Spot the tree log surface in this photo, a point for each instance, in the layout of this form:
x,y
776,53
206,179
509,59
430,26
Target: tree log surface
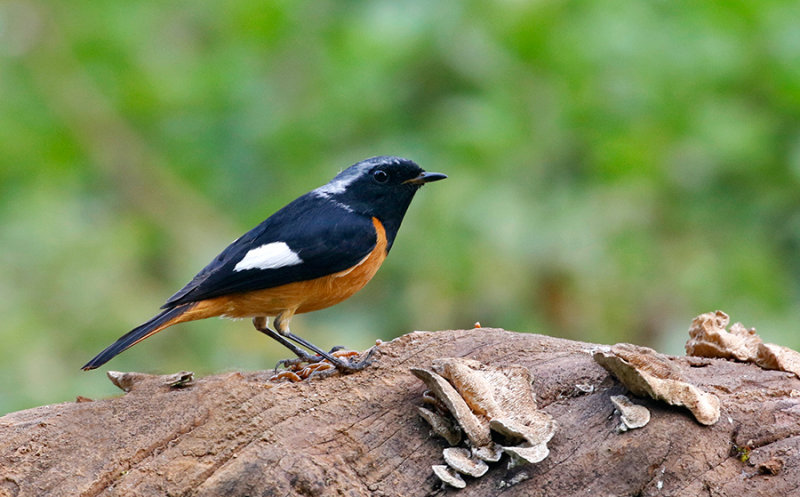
x,y
237,434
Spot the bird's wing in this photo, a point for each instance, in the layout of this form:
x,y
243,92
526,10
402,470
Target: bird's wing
x,y
309,238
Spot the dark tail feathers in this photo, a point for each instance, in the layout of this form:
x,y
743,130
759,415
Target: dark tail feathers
x,y
136,335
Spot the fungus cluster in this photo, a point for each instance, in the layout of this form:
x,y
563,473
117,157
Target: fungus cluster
x,y
493,408
709,338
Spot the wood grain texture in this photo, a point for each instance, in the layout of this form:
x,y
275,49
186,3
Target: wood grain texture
x,y
359,435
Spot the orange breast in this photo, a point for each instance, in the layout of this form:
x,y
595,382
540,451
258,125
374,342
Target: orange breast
x,y
300,296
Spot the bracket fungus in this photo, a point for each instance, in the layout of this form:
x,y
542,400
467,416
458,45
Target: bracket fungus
x,y
632,415
442,426
523,455
488,453
645,372
709,338
448,475
476,430
461,460
771,356
483,399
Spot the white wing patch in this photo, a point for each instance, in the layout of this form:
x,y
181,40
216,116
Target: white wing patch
x,y
270,256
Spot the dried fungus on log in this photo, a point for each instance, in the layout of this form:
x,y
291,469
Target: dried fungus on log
x,y
645,372
709,338
632,415
501,397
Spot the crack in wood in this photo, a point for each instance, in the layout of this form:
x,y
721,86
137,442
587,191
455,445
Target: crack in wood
x,y
112,478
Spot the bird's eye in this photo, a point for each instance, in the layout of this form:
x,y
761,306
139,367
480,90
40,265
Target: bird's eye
x,y
381,176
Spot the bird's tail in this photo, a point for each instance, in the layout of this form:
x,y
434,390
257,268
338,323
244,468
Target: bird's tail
x,y
166,318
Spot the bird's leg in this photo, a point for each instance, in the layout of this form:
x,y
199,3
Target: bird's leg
x,y
281,324
260,324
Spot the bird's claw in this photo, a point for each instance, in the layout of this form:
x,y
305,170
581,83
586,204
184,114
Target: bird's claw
x,y
307,366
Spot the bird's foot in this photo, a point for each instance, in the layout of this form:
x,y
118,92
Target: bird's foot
x,y
319,369
296,362
317,366
350,356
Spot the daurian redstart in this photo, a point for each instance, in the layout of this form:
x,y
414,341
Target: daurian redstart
x,y
313,253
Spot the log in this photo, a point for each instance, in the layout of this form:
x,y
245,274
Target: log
x,y
238,434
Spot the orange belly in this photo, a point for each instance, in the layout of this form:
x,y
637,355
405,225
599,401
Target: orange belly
x,y
297,297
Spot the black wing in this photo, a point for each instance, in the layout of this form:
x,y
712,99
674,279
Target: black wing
x,y
326,236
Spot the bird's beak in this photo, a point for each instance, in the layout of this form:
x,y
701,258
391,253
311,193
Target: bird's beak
x,y
425,177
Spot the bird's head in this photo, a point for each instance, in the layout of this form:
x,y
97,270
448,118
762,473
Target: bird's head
x,y
381,187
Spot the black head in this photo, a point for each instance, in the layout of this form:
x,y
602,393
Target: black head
x,y
381,187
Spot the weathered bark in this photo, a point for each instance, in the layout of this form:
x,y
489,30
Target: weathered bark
x,y
237,434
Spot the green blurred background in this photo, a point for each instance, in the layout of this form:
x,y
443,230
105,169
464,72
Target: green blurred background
x,y
615,169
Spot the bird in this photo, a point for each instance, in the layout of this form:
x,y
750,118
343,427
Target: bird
x,y
313,253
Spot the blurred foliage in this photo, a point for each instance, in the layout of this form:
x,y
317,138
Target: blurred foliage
x,y
615,168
